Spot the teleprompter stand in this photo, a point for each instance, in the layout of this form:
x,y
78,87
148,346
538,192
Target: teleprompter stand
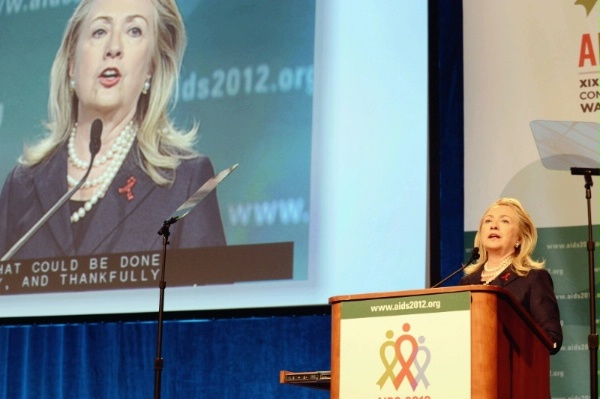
x,y
573,145
164,231
587,173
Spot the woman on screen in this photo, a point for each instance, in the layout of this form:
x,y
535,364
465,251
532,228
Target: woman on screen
x,y
506,239
118,62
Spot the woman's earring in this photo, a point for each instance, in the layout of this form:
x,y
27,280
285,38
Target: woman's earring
x,y
146,87
517,245
72,86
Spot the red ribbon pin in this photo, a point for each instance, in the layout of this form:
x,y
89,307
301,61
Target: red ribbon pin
x,y
126,189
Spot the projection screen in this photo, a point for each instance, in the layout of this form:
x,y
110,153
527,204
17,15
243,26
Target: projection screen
x,y
323,107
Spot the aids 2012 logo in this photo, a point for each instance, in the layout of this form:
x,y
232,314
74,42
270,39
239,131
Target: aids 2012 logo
x,y
404,359
588,4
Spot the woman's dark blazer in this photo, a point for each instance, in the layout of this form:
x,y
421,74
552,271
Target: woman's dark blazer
x,y
535,292
117,224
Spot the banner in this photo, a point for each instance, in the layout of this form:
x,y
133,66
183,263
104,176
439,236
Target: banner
x,y
531,113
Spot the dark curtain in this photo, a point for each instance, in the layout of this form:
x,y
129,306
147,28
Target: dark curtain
x,y
226,358
446,140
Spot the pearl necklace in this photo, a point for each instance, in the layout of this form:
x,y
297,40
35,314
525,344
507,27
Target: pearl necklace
x,y
110,154
114,159
488,275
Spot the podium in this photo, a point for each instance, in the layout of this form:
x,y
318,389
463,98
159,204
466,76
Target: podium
x,y
459,342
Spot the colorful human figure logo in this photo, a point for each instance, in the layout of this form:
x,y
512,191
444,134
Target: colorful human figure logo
x,y
410,354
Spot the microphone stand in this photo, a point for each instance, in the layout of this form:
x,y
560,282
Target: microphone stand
x,y
593,337
94,149
473,258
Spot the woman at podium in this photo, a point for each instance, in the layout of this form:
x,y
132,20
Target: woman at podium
x,y
506,239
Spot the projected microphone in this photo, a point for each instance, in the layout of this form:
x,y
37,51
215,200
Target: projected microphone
x,y
95,143
473,258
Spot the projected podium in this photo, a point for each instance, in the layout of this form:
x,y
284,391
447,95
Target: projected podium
x,y
459,342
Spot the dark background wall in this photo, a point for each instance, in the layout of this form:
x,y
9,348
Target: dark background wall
x,y
446,124
236,353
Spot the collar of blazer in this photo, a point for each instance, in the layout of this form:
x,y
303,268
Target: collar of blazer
x,y
50,183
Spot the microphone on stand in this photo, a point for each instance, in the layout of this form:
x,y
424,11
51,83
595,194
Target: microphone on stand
x,y
473,258
95,143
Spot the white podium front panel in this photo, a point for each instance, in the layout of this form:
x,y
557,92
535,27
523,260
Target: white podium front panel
x,y
406,348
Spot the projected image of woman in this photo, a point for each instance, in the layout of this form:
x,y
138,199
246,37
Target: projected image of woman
x,y
118,62
506,239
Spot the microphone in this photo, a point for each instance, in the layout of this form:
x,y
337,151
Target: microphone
x,y
95,143
473,258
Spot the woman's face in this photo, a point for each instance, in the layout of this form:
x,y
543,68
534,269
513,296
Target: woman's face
x,y
499,231
113,56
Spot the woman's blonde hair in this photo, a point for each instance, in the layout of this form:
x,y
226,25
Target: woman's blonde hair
x,y
522,261
161,146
